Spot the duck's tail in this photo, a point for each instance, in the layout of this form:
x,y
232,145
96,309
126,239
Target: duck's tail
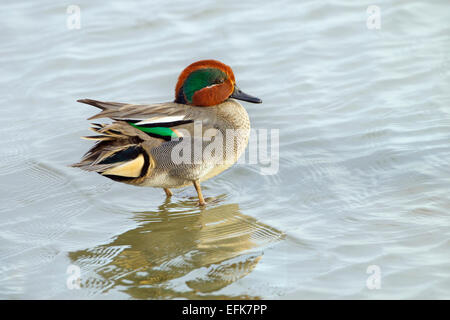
x,y
117,154
108,108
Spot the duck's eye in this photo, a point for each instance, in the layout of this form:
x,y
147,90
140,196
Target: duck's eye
x,y
219,81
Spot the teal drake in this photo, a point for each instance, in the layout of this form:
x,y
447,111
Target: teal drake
x,y
157,145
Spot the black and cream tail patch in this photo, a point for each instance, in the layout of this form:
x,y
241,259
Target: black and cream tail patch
x,y
127,164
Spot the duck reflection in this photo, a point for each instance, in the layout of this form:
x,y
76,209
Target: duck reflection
x,y
178,251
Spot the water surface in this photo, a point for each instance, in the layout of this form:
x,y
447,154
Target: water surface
x,y
364,122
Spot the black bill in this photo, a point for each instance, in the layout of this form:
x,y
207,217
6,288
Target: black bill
x,y
238,94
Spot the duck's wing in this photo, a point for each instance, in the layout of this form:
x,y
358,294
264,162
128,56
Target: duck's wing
x,y
160,120
123,150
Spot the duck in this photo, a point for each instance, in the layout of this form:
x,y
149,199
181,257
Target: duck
x,y
189,140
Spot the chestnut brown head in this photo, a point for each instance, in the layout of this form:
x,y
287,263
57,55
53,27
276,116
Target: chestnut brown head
x,y
208,83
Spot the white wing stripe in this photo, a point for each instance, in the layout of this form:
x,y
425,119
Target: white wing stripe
x,y
160,120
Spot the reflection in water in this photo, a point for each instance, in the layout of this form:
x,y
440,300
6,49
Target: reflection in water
x,y
179,251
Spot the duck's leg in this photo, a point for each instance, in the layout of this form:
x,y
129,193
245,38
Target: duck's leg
x,y
199,192
168,192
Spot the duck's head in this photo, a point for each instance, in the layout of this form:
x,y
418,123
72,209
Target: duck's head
x,y
207,83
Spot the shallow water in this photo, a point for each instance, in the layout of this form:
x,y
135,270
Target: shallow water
x,y
364,122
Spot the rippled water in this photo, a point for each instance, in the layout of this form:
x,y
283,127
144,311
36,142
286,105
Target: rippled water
x,y
363,178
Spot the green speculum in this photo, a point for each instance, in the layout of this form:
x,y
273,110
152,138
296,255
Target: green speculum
x,y
200,79
159,131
